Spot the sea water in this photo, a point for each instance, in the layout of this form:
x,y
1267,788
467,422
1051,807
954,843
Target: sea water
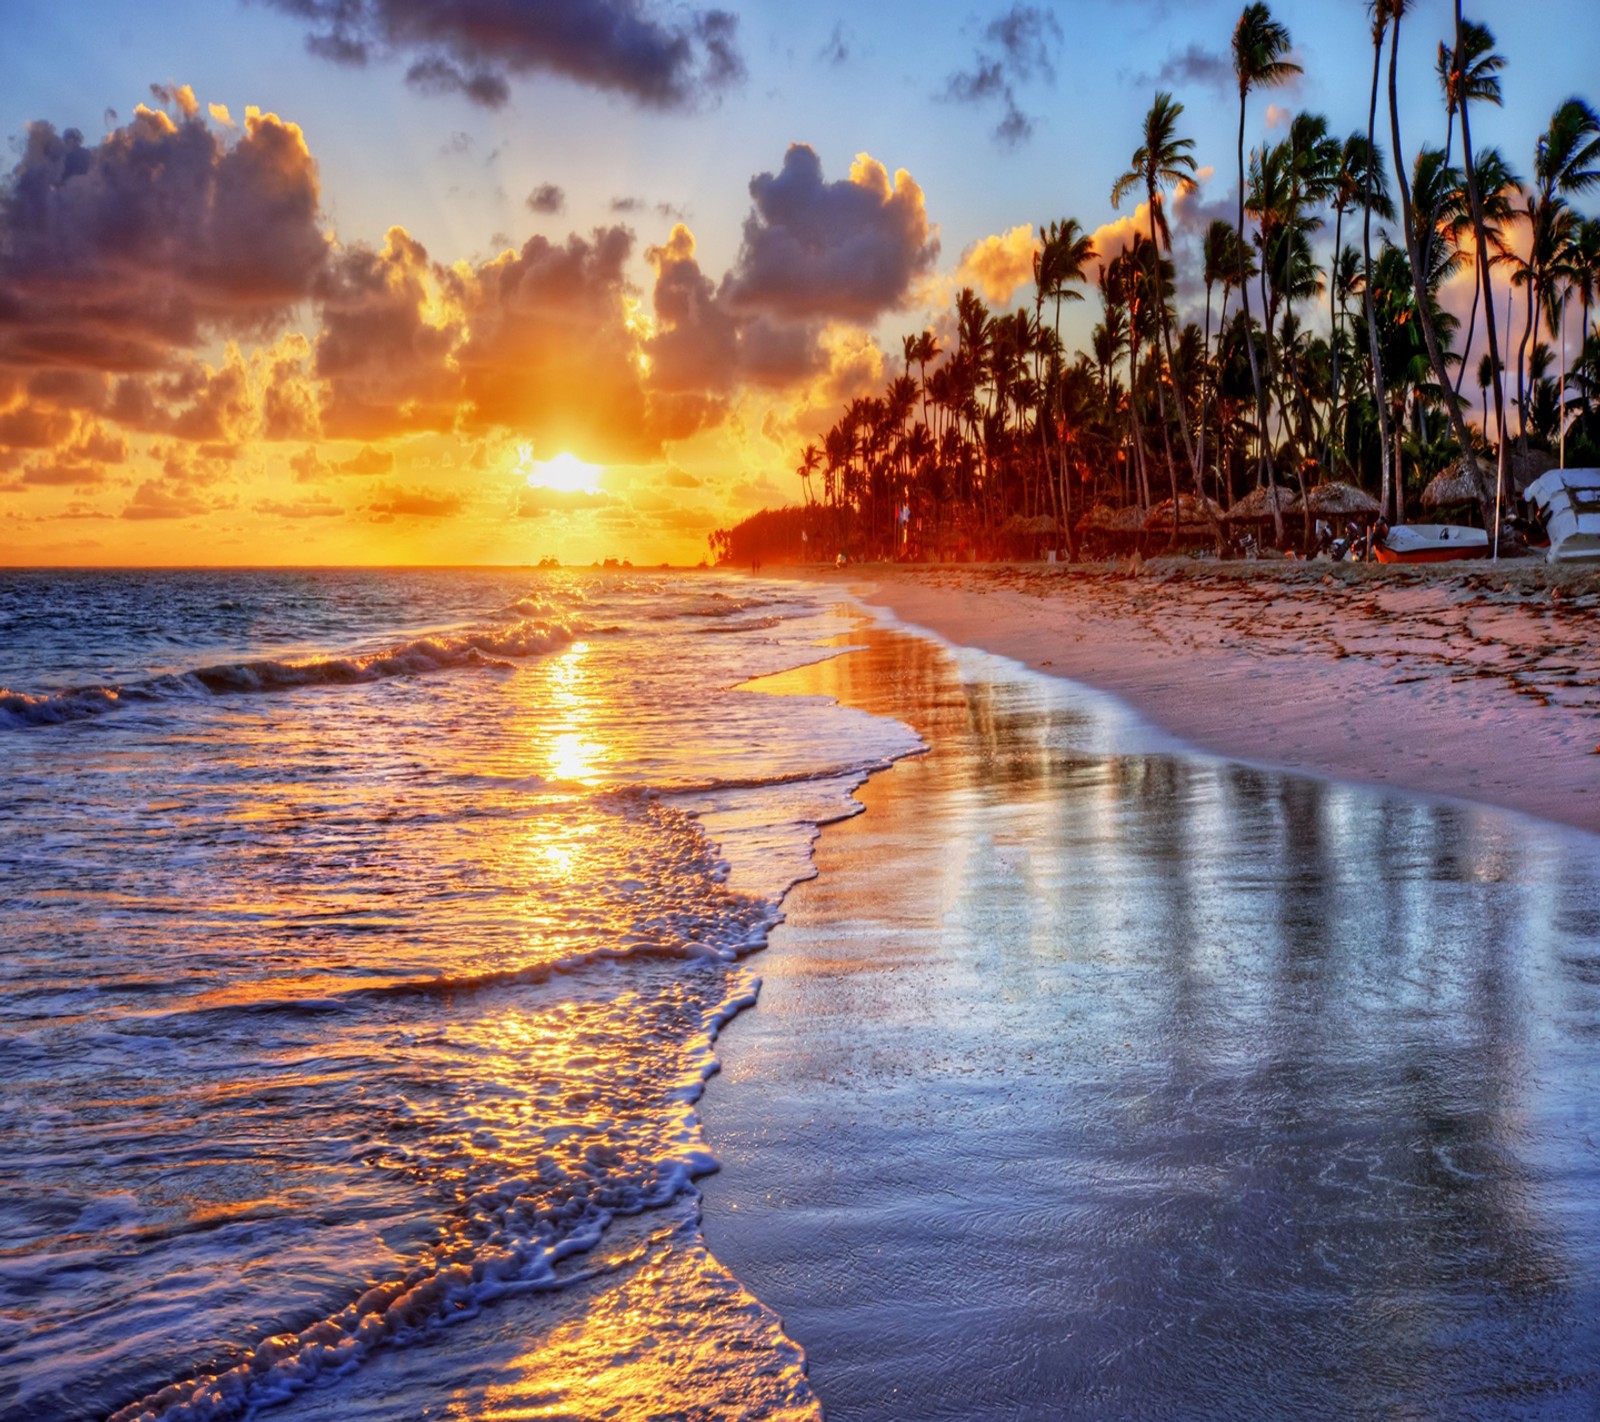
x,y
365,939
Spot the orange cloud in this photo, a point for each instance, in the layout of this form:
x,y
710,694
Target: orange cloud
x,y
998,265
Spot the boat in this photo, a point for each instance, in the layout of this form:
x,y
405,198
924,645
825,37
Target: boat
x,y
1431,543
1567,503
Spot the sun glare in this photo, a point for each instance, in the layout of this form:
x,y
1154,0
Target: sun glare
x,y
566,472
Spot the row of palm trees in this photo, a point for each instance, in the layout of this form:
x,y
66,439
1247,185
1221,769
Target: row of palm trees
x,y
1005,431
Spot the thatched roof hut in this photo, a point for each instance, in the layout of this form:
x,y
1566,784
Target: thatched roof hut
x,y
1128,520
1256,506
1195,517
1336,499
1456,485
1099,519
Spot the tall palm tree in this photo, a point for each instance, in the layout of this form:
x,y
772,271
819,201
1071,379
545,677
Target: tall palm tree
x,y
1220,264
1065,250
1260,47
1380,24
1492,184
1566,161
1359,182
1162,161
1426,314
1484,88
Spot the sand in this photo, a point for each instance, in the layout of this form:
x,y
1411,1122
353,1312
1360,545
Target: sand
x,y
1467,681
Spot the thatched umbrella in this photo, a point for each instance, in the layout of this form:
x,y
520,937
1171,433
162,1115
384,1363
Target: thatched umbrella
x,y
1098,520
1339,500
1256,506
1456,485
1194,517
1128,520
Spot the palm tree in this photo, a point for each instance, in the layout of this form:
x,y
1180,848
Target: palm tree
x,y
1485,87
1566,161
1220,264
1162,161
1359,182
1426,315
1260,45
1380,24
1492,184
1065,250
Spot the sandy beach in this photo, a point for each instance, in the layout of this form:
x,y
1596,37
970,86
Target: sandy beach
x,y
1470,681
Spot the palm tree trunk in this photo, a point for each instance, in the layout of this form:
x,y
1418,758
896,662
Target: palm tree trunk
x,y
1419,277
1264,453
1333,324
1380,397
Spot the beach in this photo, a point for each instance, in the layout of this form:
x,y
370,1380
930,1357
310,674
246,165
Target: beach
x,y
1472,681
545,994
1097,1076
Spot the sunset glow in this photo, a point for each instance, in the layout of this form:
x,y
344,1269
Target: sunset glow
x,y
565,473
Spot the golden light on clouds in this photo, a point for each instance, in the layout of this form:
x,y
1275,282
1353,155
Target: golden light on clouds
x,y
998,265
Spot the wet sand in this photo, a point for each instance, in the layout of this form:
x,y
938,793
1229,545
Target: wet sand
x,y
1465,680
1090,1080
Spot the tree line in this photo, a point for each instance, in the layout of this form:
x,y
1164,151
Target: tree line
x,y
1307,365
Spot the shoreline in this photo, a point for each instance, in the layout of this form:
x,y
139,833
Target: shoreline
x,y
1468,682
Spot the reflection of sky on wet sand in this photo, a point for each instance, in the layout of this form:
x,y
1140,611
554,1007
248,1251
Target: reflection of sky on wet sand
x,y
1100,1085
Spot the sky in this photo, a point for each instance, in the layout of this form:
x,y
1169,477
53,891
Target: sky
x,y
491,281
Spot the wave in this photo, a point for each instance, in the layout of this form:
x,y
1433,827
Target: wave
x,y
488,649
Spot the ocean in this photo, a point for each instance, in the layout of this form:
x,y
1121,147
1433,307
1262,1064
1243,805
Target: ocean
x,y
366,939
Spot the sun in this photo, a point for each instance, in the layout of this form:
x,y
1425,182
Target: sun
x,y
566,472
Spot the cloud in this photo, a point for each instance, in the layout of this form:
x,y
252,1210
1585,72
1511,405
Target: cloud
x,y
673,59
696,345
121,254
536,503
368,461
546,198
384,351
317,507
998,265
1279,117
417,503
848,249
1196,65
549,351
289,397
1018,46
64,469
837,50
156,501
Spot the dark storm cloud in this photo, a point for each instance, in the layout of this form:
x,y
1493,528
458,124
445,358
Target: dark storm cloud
x,y
1017,47
815,250
665,59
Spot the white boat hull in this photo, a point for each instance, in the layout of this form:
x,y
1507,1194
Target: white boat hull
x,y
1567,502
